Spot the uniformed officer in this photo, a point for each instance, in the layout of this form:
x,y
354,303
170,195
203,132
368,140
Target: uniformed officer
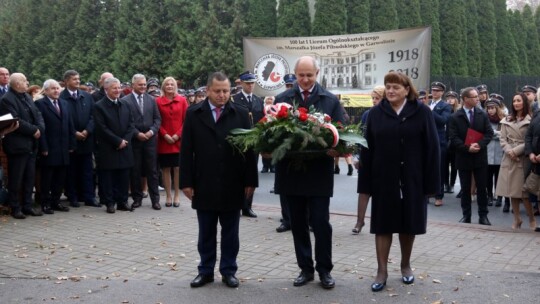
x,y
255,106
482,95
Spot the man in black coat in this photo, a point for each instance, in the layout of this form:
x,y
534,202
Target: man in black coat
x,y
216,178
114,156
100,93
80,177
55,145
308,190
146,121
4,80
471,157
255,106
21,145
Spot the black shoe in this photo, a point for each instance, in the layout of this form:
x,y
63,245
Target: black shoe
x,y
111,209
303,278
490,202
408,280
47,210
446,188
272,190
201,280
248,212
459,194
74,204
506,207
336,170
136,205
60,207
327,282
351,169
484,221
92,203
265,170
537,229
230,280
32,212
465,219
156,206
451,189
17,214
272,170
498,202
123,207
283,228
376,287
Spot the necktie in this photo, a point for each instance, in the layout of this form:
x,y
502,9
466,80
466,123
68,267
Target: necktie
x,y
218,113
306,96
74,95
55,102
141,104
3,90
471,117
249,102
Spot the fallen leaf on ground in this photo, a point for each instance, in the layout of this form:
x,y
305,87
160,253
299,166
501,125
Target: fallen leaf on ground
x,y
436,281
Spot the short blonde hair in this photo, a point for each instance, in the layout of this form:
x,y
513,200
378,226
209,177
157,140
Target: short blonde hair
x,y
379,90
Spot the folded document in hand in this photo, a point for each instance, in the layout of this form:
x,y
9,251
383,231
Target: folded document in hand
x,y
7,120
472,137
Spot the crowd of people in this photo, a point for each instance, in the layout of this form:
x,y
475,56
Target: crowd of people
x,y
129,132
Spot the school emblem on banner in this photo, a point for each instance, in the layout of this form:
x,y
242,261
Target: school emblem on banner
x,y
270,70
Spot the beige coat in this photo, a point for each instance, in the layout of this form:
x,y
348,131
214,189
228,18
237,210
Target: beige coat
x,y
511,174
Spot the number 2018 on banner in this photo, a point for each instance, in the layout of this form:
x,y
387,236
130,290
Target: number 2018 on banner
x,y
405,55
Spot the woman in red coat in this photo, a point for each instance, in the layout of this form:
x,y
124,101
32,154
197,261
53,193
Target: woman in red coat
x,y
172,108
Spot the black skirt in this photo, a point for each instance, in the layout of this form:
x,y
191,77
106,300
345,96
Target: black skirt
x,y
169,160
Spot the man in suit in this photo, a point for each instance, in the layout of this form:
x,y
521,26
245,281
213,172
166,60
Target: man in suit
x,y
441,113
80,177
255,106
308,190
55,145
21,145
4,80
216,178
114,155
471,159
146,121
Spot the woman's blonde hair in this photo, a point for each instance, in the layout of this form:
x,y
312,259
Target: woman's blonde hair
x,y
379,90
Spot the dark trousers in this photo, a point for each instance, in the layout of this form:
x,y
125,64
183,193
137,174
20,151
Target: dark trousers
x,y
286,218
319,218
492,176
52,183
481,195
207,243
450,171
145,165
80,178
442,162
114,186
21,178
248,202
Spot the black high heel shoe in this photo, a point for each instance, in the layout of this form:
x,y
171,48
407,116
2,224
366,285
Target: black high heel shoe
x,y
408,279
376,287
357,228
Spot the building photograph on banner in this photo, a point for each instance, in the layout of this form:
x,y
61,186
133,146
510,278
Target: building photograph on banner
x,y
350,65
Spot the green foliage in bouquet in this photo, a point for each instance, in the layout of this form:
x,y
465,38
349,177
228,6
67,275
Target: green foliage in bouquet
x,y
287,131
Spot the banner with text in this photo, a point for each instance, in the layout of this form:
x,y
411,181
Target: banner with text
x,y
349,64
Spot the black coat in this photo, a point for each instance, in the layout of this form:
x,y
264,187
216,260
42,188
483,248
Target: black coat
x,y
59,136
532,142
114,123
316,177
217,172
457,131
22,106
81,112
256,109
441,114
403,150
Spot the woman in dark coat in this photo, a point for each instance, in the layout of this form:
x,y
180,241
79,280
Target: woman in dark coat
x,y
400,171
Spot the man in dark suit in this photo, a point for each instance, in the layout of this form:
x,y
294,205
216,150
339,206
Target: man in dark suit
x,y
80,177
100,94
216,178
146,121
308,190
21,145
441,113
4,80
471,159
114,156
255,106
55,144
